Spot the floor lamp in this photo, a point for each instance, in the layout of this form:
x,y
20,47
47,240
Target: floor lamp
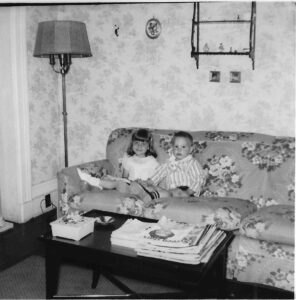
x,y
62,40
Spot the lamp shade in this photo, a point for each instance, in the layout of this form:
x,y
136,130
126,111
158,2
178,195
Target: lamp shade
x,y
62,37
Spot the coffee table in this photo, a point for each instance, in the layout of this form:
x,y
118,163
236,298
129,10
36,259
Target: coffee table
x,y
96,250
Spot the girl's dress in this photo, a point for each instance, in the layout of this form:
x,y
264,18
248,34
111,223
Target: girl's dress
x,y
139,167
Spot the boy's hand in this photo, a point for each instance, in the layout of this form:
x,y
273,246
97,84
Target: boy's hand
x,y
149,182
177,192
142,182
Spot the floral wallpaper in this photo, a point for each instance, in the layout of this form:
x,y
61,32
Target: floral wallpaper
x,y
134,81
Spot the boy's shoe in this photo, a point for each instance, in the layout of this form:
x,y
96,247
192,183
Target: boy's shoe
x,y
89,179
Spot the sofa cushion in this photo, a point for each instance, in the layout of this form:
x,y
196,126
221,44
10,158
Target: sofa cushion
x,y
226,212
274,223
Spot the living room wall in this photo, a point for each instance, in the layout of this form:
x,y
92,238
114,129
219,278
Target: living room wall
x,y
132,80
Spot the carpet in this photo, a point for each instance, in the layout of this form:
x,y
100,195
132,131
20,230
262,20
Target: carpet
x,y
26,280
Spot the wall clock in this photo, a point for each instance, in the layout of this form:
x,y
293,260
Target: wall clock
x,y
153,28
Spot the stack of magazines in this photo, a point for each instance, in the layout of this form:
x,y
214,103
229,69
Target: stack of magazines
x,y
170,240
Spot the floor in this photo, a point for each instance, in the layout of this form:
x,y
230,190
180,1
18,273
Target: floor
x,y
22,241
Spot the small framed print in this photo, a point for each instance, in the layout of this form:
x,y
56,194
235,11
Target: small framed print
x,y
214,76
235,77
153,28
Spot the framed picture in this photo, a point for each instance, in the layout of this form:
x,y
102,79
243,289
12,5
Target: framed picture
x,y
214,76
235,77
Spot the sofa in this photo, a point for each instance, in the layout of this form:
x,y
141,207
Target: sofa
x,y
249,189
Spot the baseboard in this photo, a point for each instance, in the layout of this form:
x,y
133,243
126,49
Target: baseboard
x,y
5,226
36,206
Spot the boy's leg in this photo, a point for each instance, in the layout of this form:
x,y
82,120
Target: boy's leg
x,y
123,187
148,193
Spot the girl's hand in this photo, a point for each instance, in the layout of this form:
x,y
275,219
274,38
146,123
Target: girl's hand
x,y
125,174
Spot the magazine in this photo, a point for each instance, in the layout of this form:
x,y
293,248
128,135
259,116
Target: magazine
x,y
168,233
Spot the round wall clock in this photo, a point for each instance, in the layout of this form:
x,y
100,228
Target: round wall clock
x,y
153,28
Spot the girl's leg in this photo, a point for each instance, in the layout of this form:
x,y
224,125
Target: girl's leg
x,y
107,184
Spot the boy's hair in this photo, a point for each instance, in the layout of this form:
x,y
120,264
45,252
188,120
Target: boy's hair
x,y
182,134
142,135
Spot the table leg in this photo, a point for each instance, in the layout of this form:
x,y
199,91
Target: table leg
x,y
52,268
220,275
95,277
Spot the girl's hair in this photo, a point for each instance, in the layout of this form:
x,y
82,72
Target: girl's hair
x,y
142,135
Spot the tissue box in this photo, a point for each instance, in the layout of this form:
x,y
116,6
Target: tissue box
x,y
74,229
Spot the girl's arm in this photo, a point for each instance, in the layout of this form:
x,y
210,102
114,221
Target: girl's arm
x,y
125,174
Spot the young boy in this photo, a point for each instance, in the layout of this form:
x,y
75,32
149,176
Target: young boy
x,y
182,175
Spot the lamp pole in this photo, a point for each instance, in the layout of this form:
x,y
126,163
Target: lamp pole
x,y
65,62
65,118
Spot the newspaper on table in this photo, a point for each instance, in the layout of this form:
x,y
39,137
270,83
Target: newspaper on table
x,y
170,240
129,233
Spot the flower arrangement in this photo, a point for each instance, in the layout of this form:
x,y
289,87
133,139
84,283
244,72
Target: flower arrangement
x,y
70,206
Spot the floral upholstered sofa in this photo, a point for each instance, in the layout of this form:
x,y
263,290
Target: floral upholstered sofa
x,y
249,189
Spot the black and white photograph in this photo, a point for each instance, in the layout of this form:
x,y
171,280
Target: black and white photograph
x,y
147,149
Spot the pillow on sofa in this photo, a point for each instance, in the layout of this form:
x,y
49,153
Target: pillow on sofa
x,y
226,212
273,223
106,200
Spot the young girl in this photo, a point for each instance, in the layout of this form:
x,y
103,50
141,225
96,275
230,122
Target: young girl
x,y
139,162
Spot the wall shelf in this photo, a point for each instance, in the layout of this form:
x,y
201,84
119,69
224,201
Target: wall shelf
x,y
195,34
223,53
223,21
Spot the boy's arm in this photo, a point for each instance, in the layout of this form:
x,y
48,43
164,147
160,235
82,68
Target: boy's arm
x,y
159,174
197,178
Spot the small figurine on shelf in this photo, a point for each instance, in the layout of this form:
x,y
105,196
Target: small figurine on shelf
x,y
206,48
238,17
230,50
221,47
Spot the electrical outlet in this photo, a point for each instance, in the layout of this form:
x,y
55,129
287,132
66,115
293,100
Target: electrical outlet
x,y
47,200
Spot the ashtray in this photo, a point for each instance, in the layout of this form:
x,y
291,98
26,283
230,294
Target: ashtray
x,y
104,220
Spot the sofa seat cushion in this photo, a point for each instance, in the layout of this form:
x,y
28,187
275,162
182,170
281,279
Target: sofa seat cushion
x,y
226,212
274,223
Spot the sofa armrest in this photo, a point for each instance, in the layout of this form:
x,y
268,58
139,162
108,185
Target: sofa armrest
x,y
70,184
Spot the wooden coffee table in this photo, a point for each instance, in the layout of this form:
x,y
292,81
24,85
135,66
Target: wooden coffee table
x,y
96,250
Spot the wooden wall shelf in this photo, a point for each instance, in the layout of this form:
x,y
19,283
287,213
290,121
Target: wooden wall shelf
x,y
195,34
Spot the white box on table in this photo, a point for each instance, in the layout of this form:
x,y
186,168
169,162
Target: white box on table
x,y
72,229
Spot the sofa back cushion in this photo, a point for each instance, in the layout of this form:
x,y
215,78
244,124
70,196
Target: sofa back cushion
x,y
250,166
